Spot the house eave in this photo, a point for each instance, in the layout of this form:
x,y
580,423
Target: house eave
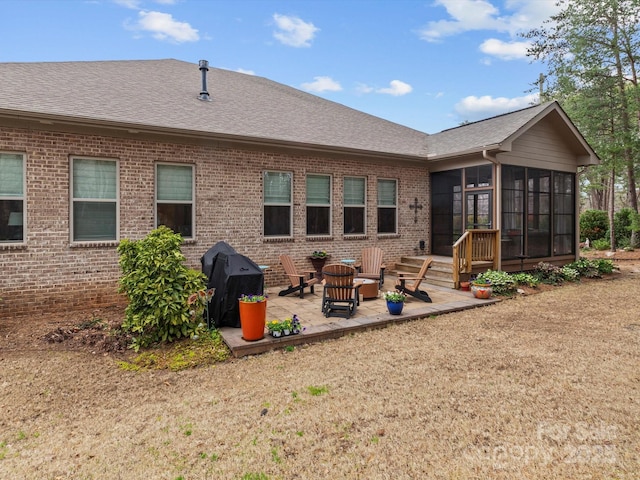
x,y
493,149
48,121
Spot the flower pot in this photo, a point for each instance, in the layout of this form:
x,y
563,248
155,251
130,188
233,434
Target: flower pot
x,y
276,333
286,332
482,291
318,265
253,317
395,308
465,286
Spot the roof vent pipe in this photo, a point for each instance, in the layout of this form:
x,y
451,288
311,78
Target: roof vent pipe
x,y
204,68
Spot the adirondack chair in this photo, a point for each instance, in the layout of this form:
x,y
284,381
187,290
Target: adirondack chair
x,y
299,280
371,266
340,296
413,288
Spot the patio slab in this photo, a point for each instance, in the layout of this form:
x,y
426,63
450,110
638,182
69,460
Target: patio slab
x,y
369,314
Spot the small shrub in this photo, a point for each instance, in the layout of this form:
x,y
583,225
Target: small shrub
x,y
603,265
501,282
525,279
585,268
570,274
601,244
593,225
158,285
548,273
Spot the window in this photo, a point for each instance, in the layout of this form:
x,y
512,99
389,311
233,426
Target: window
x,y
387,206
12,179
277,204
354,205
538,212
94,187
318,205
563,213
478,177
174,198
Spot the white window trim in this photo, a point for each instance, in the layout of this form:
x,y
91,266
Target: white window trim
x,y
355,206
71,201
278,204
395,232
22,198
324,205
183,202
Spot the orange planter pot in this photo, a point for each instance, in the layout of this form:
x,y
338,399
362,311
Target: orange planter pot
x,y
253,317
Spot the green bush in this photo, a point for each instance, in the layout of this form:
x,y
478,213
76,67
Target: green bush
x,y
549,273
525,279
593,225
601,244
158,285
501,282
622,221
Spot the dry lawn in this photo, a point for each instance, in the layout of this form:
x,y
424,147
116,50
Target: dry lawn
x,y
542,386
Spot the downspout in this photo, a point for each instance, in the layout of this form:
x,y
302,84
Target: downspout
x,y
497,188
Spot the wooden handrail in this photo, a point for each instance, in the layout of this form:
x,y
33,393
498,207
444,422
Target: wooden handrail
x,y
474,245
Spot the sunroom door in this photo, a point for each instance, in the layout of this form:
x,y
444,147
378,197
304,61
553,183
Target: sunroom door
x,y
479,211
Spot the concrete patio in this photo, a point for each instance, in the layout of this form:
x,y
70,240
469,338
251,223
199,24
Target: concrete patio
x,y
371,313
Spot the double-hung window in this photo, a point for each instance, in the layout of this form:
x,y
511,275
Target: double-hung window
x,y
318,205
354,205
174,198
387,206
278,204
94,198
12,198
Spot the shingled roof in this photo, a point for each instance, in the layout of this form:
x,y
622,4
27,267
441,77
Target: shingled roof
x,y
162,95
497,133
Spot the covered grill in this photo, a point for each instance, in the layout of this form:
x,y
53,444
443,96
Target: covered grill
x,y
232,275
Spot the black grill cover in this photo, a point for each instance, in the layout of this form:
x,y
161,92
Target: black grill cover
x,y
232,275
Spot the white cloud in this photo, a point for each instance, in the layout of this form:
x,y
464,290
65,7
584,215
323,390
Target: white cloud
x,y
505,50
322,84
133,4
396,88
163,27
474,108
476,15
293,31
466,15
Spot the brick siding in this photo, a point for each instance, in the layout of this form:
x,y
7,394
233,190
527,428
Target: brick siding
x,y
49,272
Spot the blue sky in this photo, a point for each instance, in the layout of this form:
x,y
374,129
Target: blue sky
x,y
429,65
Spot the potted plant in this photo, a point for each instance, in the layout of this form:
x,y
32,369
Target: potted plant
x,y
395,302
318,259
296,326
253,315
481,288
275,328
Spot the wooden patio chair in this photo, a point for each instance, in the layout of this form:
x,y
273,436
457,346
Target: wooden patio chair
x,y
341,294
371,266
413,288
298,280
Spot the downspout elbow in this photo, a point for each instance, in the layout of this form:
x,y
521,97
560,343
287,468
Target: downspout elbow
x,y
487,156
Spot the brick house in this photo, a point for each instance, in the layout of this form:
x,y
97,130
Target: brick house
x,y
93,152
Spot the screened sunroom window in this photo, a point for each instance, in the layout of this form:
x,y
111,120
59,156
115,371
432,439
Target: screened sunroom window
x,y
94,187
354,205
277,204
387,206
12,199
174,198
318,205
